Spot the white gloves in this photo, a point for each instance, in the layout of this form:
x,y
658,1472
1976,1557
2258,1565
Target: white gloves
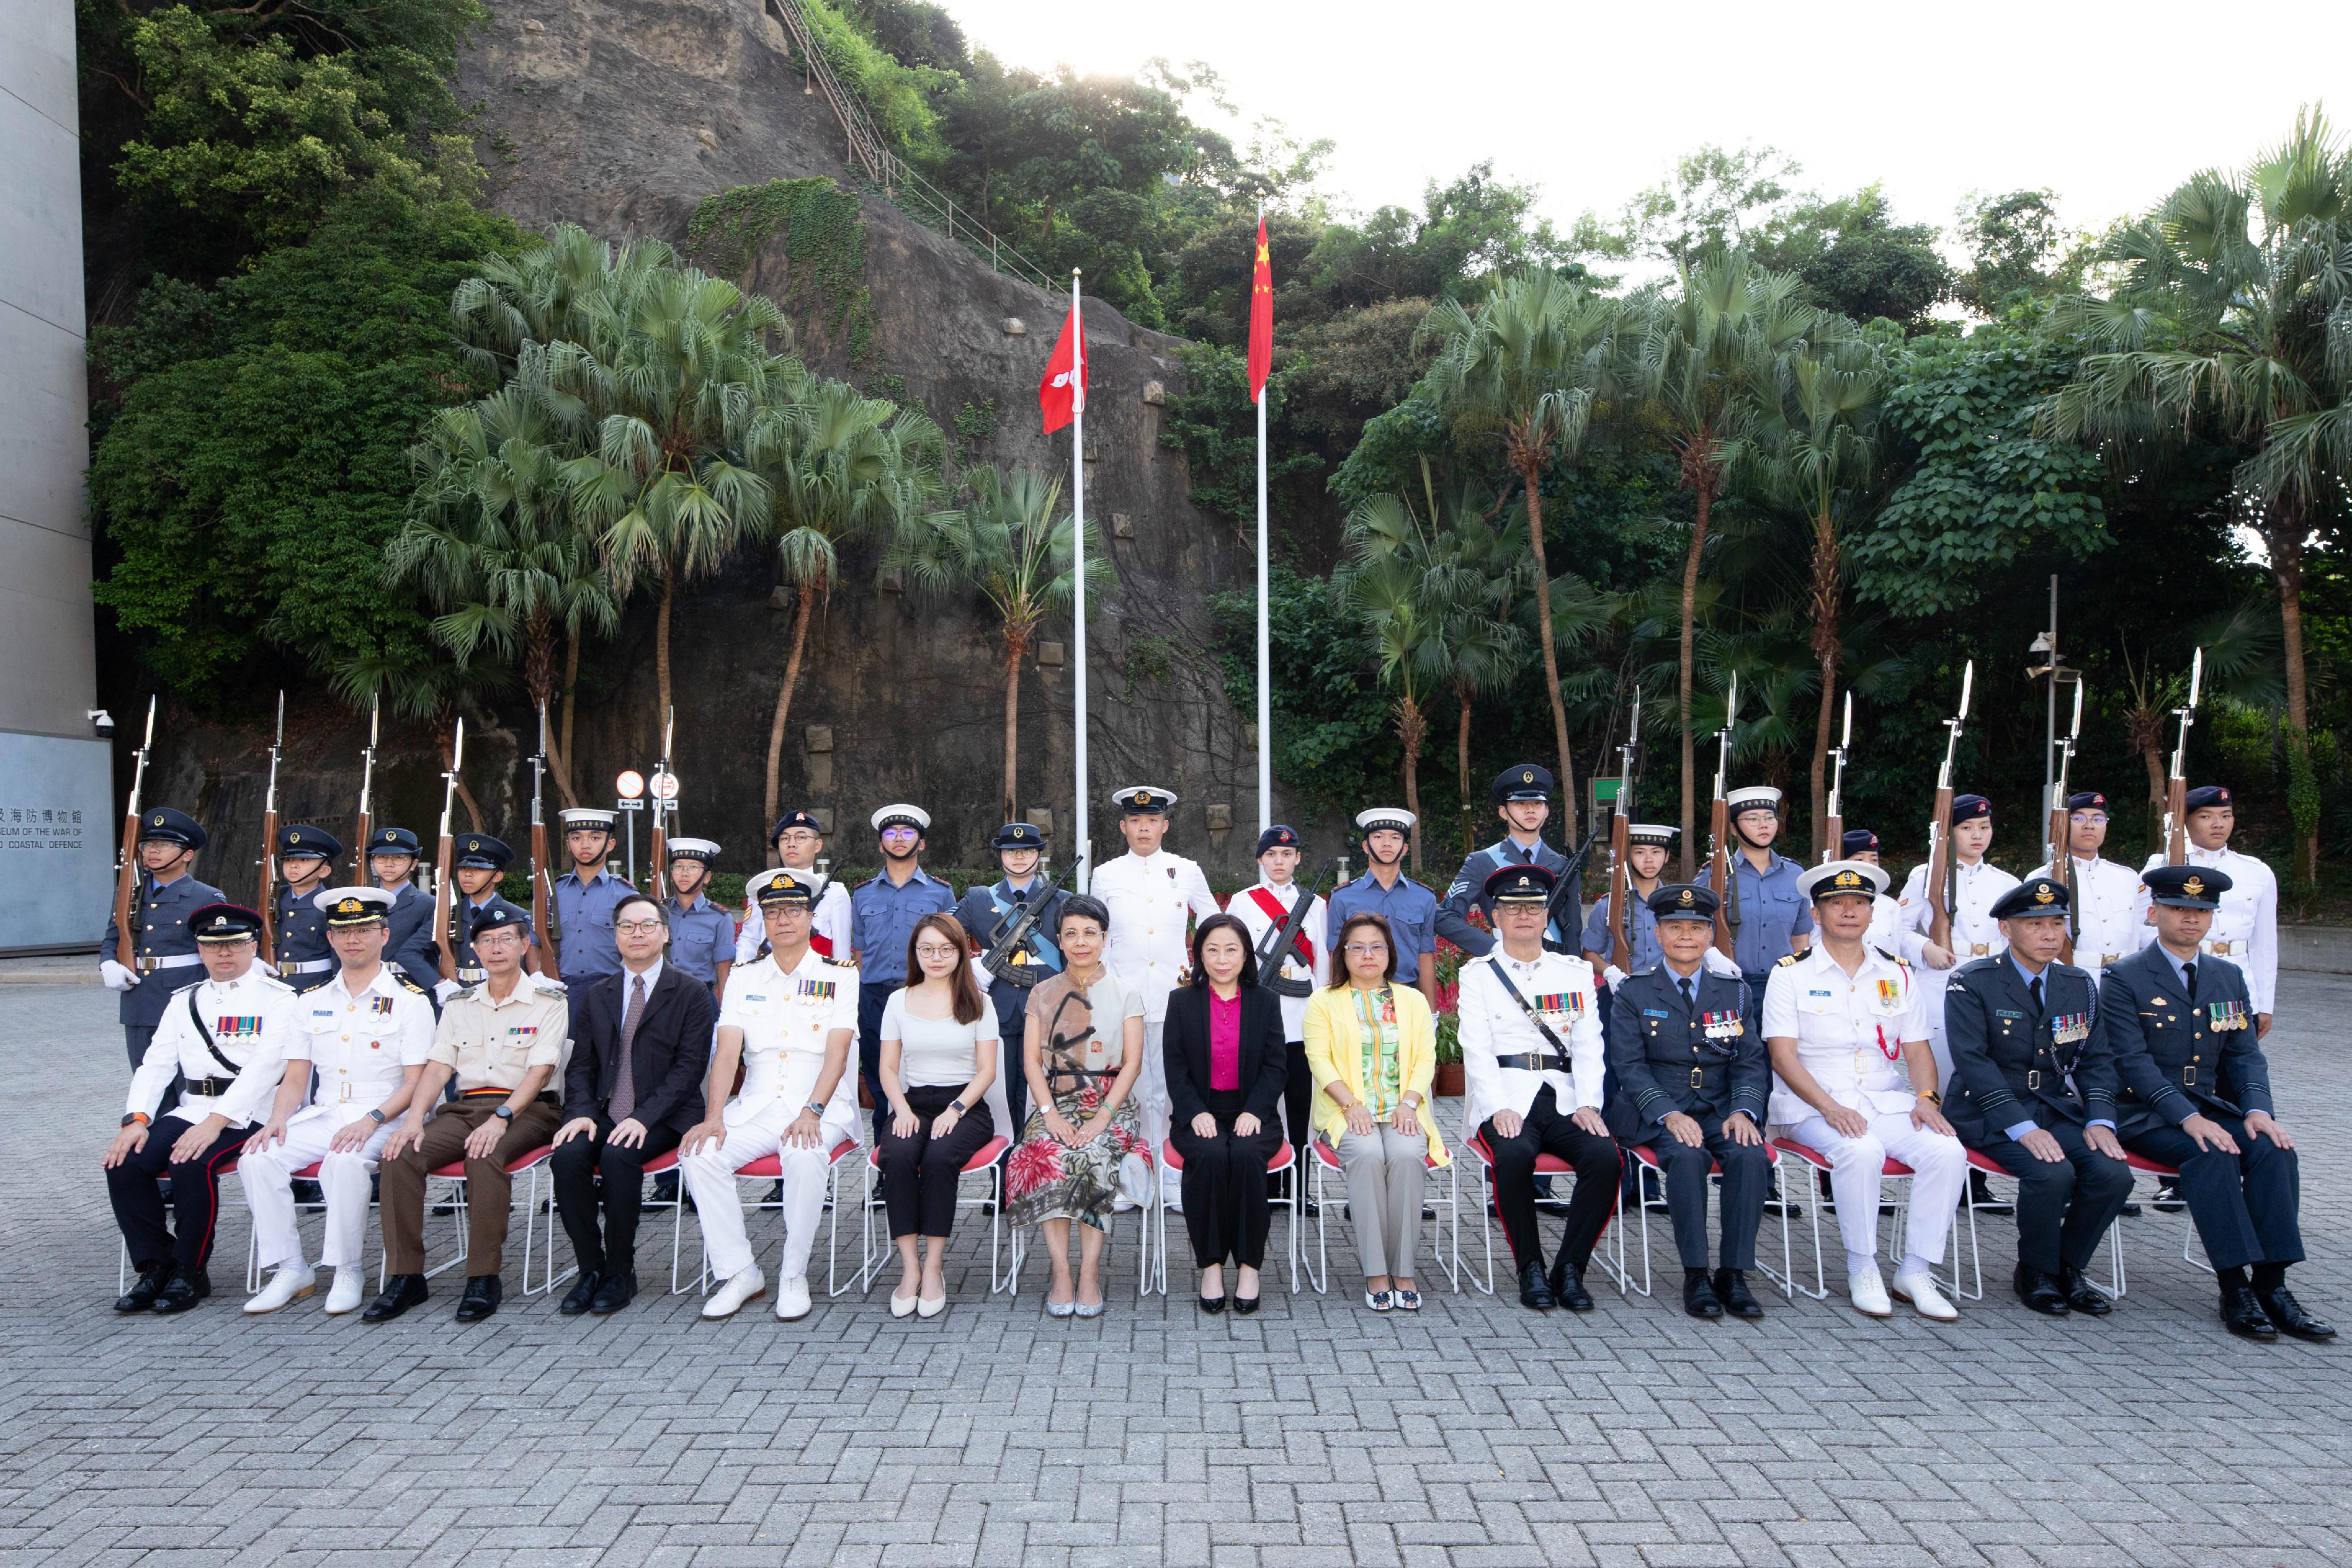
x,y
443,990
116,977
1716,964
1613,974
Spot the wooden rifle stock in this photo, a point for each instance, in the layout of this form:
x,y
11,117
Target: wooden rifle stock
x,y
1621,864
367,788
1718,829
2176,789
2062,846
266,900
1941,885
540,888
445,889
126,871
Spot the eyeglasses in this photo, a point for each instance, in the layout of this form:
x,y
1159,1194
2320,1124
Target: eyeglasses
x,y
2089,818
933,950
1367,949
636,927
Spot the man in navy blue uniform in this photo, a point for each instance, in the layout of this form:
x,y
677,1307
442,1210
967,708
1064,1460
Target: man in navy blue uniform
x,y
1691,1084
2197,1097
163,957
1522,797
985,911
2034,1090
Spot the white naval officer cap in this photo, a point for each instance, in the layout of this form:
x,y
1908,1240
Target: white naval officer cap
x,y
902,815
702,849
1755,797
352,905
1137,799
1656,834
1378,817
1835,879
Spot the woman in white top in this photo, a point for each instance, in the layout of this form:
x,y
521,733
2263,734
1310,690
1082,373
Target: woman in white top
x,y
939,1058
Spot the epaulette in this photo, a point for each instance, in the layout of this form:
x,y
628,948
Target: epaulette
x,y
1895,958
412,985
184,990
1784,960
281,984
838,962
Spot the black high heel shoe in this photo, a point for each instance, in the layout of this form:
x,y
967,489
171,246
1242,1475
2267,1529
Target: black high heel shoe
x,y
1245,1305
1213,1305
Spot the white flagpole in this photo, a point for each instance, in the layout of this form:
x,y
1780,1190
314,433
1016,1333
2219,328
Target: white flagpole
x,y
1082,849
1265,641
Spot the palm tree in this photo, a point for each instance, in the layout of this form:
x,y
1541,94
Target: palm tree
x,y
1526,365
835,463
1697,358
1008,544
2231,325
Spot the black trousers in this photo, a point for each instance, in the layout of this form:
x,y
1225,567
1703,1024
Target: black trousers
x,y
1011,1004
195,1196
1297,1101
590,1175
1746,1174
1594,1156
1224,1185
2063,1207
873,996
921,1171
2246,1206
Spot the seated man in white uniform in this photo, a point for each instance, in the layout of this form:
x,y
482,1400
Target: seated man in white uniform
x,y
790,1019
1854,1079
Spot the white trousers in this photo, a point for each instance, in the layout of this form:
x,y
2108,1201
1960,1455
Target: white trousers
x,y
267,1175
1856,1165
1151,1107
1931,983
710,1176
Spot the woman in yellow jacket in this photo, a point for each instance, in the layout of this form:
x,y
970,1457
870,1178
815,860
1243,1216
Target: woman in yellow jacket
x,y
1372,1046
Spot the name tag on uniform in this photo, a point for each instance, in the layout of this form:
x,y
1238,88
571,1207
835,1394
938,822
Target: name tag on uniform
x,y
322,1012
1655,1013
1722,1025
2066,1029
380,1004
817,990
755,998
2229,1015
1825,995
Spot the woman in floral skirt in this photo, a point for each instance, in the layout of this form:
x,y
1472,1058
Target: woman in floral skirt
x,y
1083,1049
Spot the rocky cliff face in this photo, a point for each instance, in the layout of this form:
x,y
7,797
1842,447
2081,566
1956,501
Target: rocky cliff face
x,y
622,116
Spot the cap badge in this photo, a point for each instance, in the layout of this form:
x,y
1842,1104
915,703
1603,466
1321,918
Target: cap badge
x,y
349,906
219,921
1688,898
1527,776
2043,893
1849,879
2194,887
295,837
473,845
158,822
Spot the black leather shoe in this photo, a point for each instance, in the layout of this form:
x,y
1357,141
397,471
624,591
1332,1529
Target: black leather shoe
x,y
584,1291
2039,1291
401,1293
1981,1198
2167,1199
1569,1290
1731,1289
1698,1295
307,1194
2286,1315
2243,1314
1211,1305
616,1292
1244,1305
2129,1211
145,1290
184,1292
1535,1291
2083,1296
481,1298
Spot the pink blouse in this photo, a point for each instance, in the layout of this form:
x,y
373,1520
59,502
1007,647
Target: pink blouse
x,y
1225,1041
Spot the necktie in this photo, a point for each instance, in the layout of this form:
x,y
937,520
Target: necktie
x,y
2034,985
1690,995
624,1090
2189,978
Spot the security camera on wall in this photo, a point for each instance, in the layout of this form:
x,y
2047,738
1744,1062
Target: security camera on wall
x,y
102,722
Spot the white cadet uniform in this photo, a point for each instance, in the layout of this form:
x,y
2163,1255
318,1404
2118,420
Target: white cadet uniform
x,y
787,1016
1246,909
1560,987
1850,1031
2245,928
358,1047
829,937
250,1018
1148,897
1975,935
2107,911
1888,932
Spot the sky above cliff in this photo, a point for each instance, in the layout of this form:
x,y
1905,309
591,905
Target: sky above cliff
x,y
2105,104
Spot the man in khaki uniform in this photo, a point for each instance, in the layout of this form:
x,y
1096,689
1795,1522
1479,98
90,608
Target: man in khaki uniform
x,y
503,1042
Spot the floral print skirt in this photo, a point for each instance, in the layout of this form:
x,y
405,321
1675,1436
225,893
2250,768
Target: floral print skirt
x,y
1046,1179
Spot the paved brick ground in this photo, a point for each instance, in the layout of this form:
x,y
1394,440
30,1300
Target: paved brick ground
x,y
1312,1433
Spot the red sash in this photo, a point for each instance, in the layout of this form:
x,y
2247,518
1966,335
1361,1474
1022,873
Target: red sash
x,y
1272,908
824,944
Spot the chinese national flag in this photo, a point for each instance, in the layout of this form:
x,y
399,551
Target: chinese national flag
x,y
1062,395
1261,343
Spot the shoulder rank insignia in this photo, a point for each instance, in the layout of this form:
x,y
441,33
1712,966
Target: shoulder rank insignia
x,y
412,985
1785,960
1892,957
838,962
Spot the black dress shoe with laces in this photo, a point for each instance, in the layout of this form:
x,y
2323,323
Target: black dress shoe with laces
x,y
2040,1291
483,1294
1535,1291
146,1289
617,1291
577,1299
401,1293
1569,1290
1980,1197
1731,1289
2286,1315
2083,1296
183,1292
2243,1314
1698,1294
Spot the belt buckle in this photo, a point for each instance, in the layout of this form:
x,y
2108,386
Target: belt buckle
x,y
345,1097
147,965
2033,1078
1695,1076
1979,949
2189,1076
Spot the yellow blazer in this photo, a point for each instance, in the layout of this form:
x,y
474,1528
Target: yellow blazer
x,y
1332,1057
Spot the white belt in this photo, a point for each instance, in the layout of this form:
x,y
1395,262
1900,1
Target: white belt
x,y
2227,949
1980,949
175,961
306,967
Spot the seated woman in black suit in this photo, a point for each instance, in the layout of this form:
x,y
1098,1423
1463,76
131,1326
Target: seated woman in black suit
x,y
1226,1069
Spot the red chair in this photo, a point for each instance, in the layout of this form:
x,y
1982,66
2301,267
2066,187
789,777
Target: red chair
x,y
770,1168
533,1161
1977,1162
1319,1274
1894,1170
2191,1244
1545,1165
987,1161
1647,1165
1282,1159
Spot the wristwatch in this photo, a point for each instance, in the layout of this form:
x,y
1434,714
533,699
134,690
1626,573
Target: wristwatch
x,y
504,1112
1930,1096
814,1108
956,1106
376,1117
137,1116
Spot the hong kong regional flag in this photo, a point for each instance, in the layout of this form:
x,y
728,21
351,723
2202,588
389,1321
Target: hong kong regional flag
x,y
1260,344
1062,395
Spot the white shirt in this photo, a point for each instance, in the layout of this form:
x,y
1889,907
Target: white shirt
x,y
830,934
1245,908
2245,928
251,1019
1975,932
1844,1027
1148,897
935,1053
786,1017
359,1044
2109,921
1560,987
1888,932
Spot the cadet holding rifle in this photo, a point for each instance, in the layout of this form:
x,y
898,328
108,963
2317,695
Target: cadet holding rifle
x,y
147,950
1764,912
1011,920
1522,797
265,900
2102,923
1286,925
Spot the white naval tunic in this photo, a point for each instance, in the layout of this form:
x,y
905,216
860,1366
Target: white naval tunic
x,y
359,1044
251,1019
1150,898
1560,987
1246,908
1975,935
2245,928
2107,916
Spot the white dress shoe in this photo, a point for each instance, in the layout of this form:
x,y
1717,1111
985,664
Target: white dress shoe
x,y
1869,1293
904,1306
793,1298
748,1286
349,1294
930,1306
1919,1290
289,1285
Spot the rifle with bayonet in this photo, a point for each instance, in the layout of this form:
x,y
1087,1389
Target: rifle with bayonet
x,y
266,900
367,795
1006,957
1280,941
2176,788
1942,883
443,889
1621,865
659,881
1719,830
129,883
1565,911
1833,819
543,889
2062,845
